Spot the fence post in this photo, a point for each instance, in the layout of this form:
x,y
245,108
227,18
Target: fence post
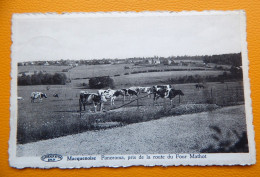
x,y
237,94
137,101
164,103
80,108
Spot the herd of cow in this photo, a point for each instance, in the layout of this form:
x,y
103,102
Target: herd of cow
x,y
99,98
159,91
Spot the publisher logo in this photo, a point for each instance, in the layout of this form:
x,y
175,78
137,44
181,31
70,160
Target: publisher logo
x,y
51,158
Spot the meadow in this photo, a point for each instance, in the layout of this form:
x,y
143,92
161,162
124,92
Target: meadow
x,y
55,117
43,68
192,133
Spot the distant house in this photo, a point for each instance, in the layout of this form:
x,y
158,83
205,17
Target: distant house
x,y
46,63
154,61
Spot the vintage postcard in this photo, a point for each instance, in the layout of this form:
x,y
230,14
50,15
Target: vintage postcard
x,y
124,88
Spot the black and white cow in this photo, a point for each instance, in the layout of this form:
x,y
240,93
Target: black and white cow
x,y
159,87
165,93
130,92
136,89
147,90
112,94
37,95
91,98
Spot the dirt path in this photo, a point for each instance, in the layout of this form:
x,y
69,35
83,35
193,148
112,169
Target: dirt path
x,y
187,133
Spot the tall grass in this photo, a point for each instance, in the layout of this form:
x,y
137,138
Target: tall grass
x,y
102,120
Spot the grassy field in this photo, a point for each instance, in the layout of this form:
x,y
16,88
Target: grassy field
x,y
60,114
54,117
175,134
154,78
87,71
43,68
81,74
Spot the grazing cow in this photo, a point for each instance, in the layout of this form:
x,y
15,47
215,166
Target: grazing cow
x,y
198,86
164,93
91,98
159,87
129,92
147,90
56,95
112,94
37,95
136,89
116,94
20,98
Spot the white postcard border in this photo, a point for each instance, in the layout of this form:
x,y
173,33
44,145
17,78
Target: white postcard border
x,y
211,159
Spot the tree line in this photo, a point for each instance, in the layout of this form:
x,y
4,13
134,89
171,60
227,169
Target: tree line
x,y
43,79
225,59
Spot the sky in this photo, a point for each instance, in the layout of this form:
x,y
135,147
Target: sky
x,y
98,36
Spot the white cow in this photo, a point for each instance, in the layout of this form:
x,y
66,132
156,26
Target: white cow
x,y
20,98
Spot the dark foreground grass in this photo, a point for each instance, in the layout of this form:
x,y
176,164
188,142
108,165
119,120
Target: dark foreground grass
x,y
227,144
102,120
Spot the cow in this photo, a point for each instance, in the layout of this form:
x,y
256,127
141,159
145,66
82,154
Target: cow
x,y
56,95
147,90
116,94
198,86
165,93
111,94
91,98
136,89
20,98
158,87
130,92
37,95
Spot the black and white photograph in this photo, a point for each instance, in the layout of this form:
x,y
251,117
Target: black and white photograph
x,y
124,88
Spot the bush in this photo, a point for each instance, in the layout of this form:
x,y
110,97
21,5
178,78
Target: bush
x,y
65,70
59,78
101,82
227,144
